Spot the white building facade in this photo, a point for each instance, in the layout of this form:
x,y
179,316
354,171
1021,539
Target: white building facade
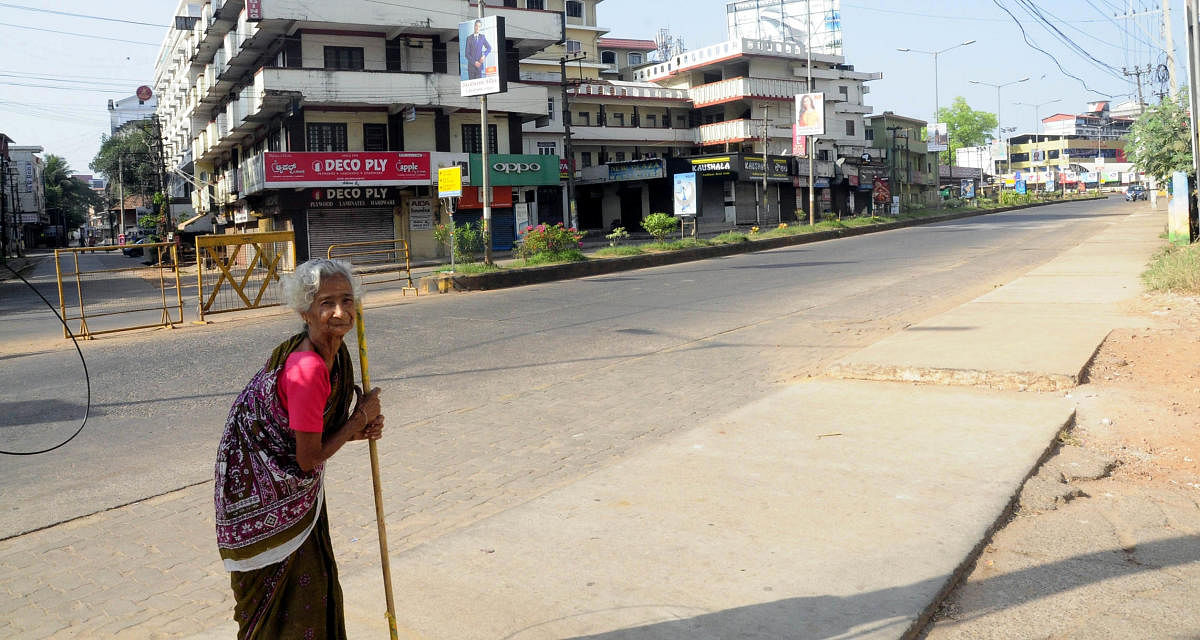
x,y
253,95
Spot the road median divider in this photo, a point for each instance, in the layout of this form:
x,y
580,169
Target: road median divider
x,y
517,276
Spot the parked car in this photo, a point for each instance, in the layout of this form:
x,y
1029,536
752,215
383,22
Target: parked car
x,y
1135,192
133,250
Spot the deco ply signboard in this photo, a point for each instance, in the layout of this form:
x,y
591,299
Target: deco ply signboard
x,y
345,168
481,56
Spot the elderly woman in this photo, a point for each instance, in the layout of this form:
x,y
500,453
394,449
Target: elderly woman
x,y
272,530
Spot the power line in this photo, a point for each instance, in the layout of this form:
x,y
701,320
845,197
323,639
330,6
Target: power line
x,y
80,15
1029,42
80,35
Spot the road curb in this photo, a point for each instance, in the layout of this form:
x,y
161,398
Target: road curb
x,y
522,276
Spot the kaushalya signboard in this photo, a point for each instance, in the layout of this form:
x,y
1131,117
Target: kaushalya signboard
x,y
283,170
352,197
752,168
713,166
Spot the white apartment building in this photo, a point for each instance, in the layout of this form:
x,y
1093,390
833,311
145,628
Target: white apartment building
x,y
331,118
131,109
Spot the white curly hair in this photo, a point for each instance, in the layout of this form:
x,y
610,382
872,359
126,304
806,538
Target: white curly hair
x,y
300,286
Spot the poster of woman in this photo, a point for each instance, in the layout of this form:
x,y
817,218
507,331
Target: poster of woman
x,y
810,114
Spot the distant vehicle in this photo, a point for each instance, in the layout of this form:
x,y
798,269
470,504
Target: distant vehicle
x,y
1135,192
132,250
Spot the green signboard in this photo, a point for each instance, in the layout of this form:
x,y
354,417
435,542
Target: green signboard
x,y
516,170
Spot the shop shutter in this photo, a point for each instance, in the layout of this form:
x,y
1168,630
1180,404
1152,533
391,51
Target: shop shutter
x,y
337,226
504,226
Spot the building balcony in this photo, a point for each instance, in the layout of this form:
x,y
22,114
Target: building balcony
x,y
740,88
738,131
632,135
583,91
729,49
846,107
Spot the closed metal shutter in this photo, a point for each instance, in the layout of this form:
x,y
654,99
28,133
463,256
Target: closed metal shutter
x,y
337,226
504,226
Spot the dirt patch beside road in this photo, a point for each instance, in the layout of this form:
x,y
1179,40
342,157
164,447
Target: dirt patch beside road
x,y
1106,541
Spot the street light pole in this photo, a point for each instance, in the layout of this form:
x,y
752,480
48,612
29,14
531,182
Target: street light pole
x,y
1037,121
937,101
999,130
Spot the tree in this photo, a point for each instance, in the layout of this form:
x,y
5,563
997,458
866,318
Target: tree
x,y
129,159
966,126
66,195
1159,138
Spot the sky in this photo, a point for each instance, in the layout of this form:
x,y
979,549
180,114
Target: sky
x,y
78,63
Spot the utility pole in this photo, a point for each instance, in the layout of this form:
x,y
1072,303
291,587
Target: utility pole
x,y
1192,21
763,209
120,195
163,180
485,188
5,205
568,149
1170,42
812,178
1137,73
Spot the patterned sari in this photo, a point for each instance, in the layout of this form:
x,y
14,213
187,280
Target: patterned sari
x,y
272,529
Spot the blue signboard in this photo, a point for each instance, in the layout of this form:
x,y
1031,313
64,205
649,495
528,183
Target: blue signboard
x,y
1020,186
685,194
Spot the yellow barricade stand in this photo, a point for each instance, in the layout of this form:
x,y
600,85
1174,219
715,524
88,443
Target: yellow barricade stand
x,y
241,270
377,252
124,297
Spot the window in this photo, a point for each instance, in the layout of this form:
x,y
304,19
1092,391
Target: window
x,y
608,57
471,142
535,4
618,120
651,120
849,127
635,59
681,122
326,136
375,137
844,90
344,58
547,148
550,108
510,3
574,9
585,158
585,118
573,46
273,141
869,133
823,155
620,156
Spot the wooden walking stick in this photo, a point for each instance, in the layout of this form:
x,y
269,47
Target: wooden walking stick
x,y
376,482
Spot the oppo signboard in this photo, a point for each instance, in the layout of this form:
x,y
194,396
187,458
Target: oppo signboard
x,y
511,170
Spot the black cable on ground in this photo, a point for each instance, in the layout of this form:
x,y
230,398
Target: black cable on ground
x,y
86,378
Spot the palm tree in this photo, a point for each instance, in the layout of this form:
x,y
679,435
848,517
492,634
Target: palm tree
x,y
67,199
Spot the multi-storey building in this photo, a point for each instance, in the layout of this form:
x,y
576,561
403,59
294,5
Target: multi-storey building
x,y
900,155
131,109
331,118
28,197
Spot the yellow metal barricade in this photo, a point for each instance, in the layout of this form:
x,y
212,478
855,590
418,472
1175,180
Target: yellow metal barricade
x,y
372,253
241,270
115,297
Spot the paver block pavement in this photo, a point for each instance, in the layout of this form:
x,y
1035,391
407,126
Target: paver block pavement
x,y
756,525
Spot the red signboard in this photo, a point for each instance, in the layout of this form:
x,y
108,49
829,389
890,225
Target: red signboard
x,y
254,9
345,168
502,198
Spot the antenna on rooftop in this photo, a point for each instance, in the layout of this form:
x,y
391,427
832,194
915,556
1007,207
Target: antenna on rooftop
x,y
669,46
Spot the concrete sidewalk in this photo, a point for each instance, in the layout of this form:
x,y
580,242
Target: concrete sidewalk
x,y
835,509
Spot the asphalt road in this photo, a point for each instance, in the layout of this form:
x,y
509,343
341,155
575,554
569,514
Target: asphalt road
x,y
542,383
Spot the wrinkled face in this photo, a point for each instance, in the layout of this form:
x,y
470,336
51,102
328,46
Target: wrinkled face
x,y
332,308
